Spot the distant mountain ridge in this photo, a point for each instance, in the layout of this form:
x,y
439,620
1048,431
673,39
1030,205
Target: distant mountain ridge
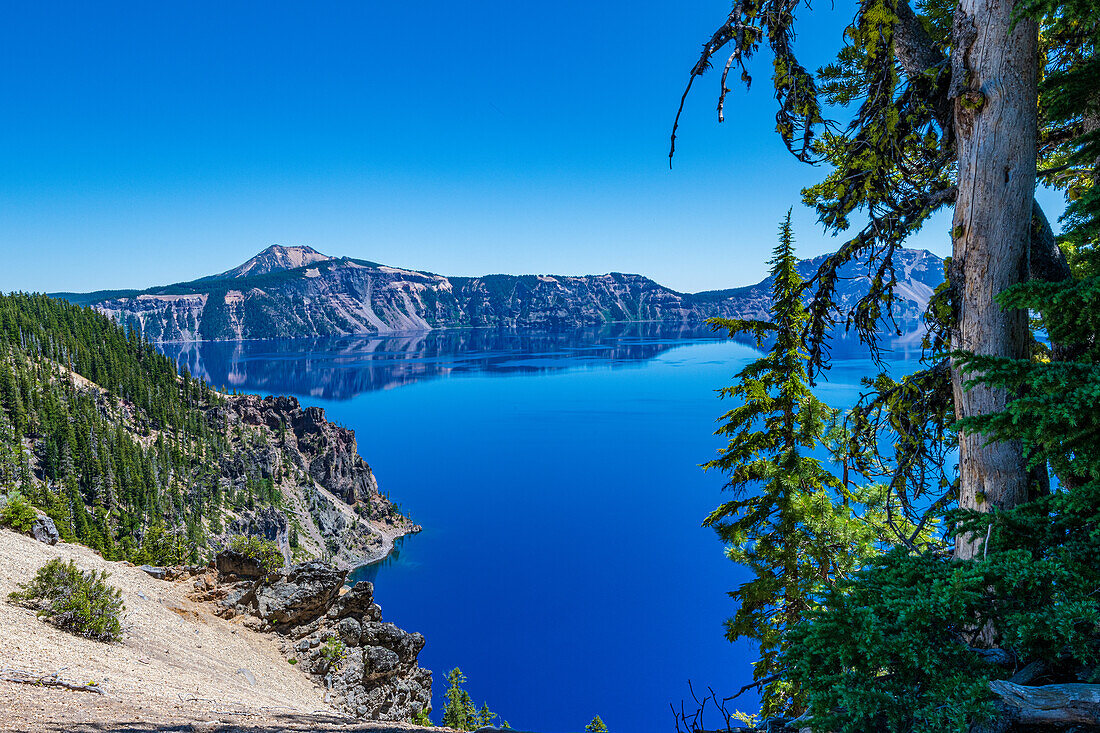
x,y
296,292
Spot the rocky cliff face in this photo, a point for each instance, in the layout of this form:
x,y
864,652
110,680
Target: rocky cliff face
x,y
331,505
273,296
338,637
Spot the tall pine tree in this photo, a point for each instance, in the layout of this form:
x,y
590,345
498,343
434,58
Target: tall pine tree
x,y
791,521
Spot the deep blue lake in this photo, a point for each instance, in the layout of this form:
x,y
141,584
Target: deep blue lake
x,y
562,564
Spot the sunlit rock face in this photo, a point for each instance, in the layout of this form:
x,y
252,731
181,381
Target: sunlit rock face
x,y
294,292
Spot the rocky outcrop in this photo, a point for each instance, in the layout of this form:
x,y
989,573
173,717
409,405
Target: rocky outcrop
x,y
335,635
298,594
328,504
238,564
44,530
327,452
326,296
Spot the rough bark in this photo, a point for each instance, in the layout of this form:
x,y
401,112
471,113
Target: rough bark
x,y
1049,705
994,88
917,54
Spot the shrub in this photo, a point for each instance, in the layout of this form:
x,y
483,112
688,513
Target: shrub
x,y
887,649
334,650
263,551
17,513
74,600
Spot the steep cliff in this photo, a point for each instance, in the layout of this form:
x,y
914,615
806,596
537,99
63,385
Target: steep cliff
x,y
298,292
330,505
368,667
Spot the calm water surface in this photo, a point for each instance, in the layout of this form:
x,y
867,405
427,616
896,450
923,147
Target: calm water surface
x,y
562,565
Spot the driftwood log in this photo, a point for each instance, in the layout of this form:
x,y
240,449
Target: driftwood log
x,y
1050,705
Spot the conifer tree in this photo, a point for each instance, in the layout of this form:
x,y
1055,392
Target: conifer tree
x,y
459,711
791,522
596,726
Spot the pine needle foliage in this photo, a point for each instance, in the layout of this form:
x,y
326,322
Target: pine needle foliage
x,y
460,711
596,725
790,521
888,649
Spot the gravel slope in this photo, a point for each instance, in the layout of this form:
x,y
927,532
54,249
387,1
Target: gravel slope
x,y
177,662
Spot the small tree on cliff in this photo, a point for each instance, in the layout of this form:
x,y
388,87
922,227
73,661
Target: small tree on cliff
x,y
791,521
459,712
596,726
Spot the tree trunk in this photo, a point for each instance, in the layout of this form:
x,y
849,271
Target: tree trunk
x,y
994,88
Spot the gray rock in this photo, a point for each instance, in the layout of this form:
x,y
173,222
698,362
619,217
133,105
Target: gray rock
x,y
349,631
379,662
158,573
44,530
231,562
248,676
356,602
300,594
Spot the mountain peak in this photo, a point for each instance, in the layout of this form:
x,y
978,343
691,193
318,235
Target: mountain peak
x,y
276,258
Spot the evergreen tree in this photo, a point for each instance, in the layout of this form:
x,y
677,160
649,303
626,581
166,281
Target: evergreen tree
x,y
952,104
596,726
459,712
791,521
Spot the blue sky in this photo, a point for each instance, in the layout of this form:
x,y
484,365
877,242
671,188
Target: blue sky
x,y
147,143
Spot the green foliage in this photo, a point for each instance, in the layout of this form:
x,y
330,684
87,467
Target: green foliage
x,y
886,650
422,717
791,521
76,601
459,712
334,650
260,549
17,513
596,726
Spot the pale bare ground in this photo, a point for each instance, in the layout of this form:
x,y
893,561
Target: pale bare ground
x,y
177,664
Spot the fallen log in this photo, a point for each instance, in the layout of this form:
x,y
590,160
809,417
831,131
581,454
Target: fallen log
x,y
23,677
1050,705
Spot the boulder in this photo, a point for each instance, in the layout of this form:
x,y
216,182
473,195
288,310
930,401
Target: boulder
x,y
379,662
356,602
299,594
349,631
157,572
231,562
44,530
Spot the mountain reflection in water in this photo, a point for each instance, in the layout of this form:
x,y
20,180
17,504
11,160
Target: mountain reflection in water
x,y
340,368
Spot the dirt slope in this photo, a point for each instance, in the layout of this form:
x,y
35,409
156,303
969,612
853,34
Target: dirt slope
x,y
178,664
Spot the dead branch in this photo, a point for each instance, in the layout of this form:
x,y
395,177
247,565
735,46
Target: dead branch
x,y
23,677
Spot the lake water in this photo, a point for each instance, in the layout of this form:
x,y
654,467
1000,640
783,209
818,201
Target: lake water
x,y
562,564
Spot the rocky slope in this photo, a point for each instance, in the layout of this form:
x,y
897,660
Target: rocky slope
x,y
369,668
291,292
188,662
331,505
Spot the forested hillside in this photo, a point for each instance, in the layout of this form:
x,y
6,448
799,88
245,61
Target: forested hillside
x,y
99,432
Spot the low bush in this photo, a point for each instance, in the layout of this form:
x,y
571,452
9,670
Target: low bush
x,y
263,551
334,650
77,601
17,513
